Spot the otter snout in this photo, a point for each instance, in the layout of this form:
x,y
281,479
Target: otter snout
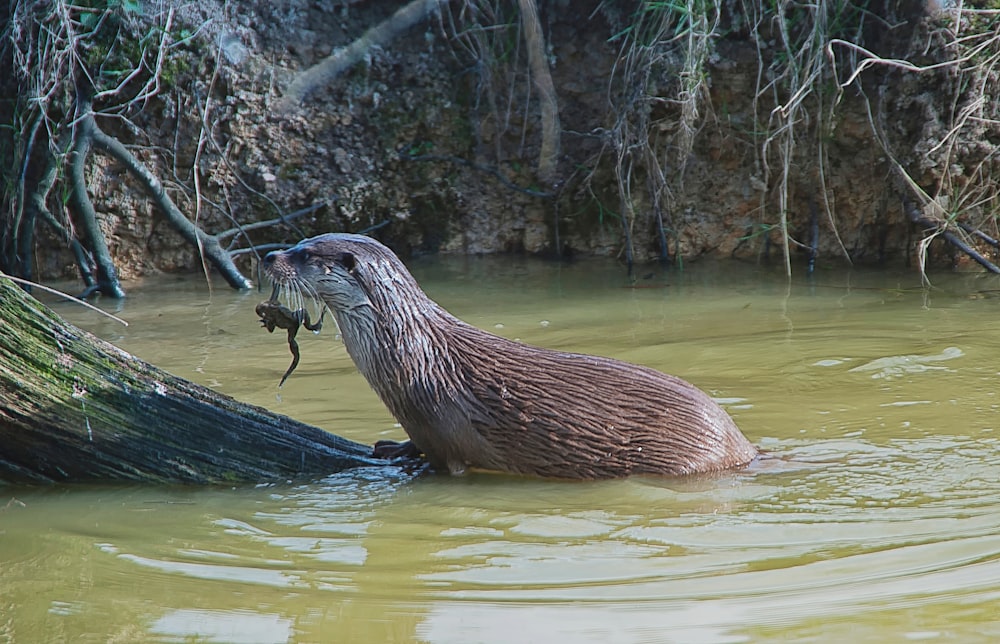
x,y
275,261
278,266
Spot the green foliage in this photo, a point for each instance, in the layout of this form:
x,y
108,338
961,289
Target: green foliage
x,y
93,13
419,148
645,27
118,47
757,231
804,30
111,52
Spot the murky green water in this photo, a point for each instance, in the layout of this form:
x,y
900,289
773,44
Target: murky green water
x,y
879,520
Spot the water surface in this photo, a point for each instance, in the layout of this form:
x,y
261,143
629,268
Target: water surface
x,y
876,516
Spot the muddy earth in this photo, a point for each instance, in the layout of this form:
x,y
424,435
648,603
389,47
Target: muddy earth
x,y
431,141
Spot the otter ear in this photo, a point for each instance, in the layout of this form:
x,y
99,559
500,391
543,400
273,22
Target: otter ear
x,y
347,260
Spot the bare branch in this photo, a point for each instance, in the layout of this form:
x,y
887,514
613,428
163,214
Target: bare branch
x,y
208,244
548,156
330,68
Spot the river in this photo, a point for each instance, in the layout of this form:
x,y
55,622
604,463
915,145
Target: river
x,y
874,517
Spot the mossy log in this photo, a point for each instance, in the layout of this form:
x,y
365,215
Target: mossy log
x,y
76,408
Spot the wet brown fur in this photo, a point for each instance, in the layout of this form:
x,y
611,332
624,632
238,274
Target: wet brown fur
x,y
468,398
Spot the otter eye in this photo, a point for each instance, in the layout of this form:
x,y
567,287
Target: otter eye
x,y
347,261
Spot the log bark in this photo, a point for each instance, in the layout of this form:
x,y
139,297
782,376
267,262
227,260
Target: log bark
x,y
76,408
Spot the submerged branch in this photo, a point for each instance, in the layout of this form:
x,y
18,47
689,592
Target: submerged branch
x,y
937,227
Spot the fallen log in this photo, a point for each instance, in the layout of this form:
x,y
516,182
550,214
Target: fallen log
x,y
76,408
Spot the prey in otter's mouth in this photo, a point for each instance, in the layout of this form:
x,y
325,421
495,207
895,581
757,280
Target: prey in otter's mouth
x,y
471,399
274,315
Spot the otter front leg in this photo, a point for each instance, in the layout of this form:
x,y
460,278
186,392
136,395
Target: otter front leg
x,y
309,325
393,450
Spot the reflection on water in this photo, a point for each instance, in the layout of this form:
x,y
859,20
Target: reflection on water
x,y
874,515
893,366
237,627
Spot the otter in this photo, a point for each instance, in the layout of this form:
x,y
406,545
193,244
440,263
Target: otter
x,y
471,399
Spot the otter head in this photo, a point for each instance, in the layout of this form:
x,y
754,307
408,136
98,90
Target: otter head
x,y
383,315
335,269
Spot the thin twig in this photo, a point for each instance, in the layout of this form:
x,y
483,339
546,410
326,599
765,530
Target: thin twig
x,y
53,291
282,219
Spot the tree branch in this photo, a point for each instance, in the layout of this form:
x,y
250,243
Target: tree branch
x,y
330,68
107,275
242,229
207,244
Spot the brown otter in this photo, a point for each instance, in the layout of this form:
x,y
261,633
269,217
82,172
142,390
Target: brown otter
x,y
468,398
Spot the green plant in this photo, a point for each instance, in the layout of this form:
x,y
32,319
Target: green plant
x,y
802,89
656,123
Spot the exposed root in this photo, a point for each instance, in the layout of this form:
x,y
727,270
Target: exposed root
x,y
933,228
548,156
85,136
70,66
330,68
208,244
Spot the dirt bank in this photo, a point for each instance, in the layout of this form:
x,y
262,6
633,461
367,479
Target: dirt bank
x,y
728,138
